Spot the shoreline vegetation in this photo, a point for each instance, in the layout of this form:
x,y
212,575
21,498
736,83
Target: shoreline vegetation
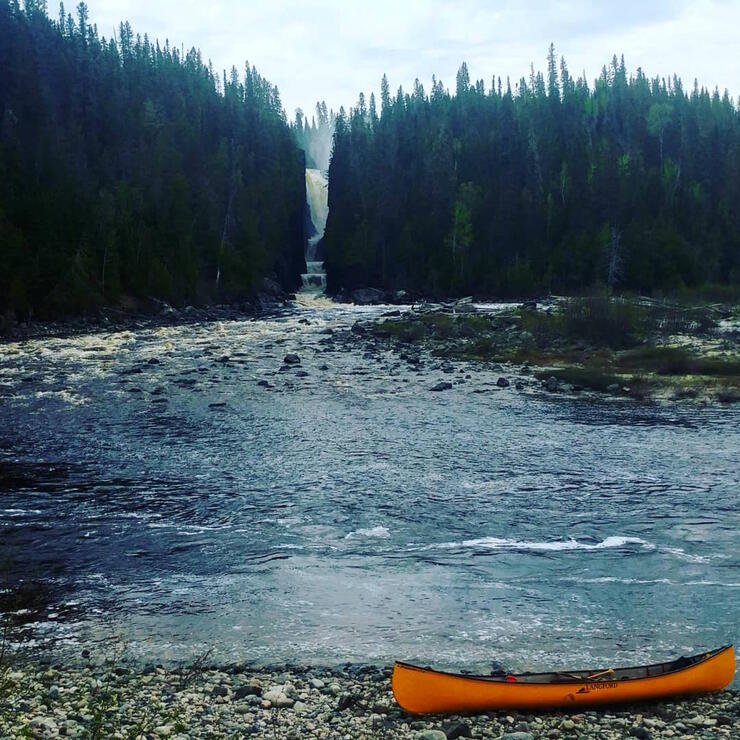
x,y
632,347
111,698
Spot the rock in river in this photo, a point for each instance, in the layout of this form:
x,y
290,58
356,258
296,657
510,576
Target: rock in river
x,y
502,382
292,359
365,296
442,386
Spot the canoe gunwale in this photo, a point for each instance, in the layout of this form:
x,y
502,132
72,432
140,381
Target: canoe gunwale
x,y
696,660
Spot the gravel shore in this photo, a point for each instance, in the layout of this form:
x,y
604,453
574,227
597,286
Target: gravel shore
x,y
108,700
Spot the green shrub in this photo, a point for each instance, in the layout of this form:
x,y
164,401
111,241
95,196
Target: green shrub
x,y
602,322
678,361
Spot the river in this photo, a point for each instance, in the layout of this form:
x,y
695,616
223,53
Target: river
x,y
168,502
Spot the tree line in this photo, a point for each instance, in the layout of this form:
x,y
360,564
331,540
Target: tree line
x,y
130,169
549,185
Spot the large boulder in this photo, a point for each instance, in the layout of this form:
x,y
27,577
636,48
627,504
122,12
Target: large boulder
x,y
367,296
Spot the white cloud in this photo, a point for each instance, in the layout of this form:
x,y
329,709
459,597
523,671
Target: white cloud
x,y
331,50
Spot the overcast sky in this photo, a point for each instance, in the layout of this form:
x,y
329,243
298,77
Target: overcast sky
x,y
332,50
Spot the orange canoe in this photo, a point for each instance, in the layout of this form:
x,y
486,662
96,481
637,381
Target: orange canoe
x,y
422,690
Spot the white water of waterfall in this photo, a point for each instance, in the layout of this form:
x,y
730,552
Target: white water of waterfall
x,y
317,195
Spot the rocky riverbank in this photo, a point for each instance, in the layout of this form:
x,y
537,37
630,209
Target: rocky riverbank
x,y
112,700
151,313
632,348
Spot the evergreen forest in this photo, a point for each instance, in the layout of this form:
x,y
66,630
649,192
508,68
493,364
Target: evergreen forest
x,y
551,185
129,169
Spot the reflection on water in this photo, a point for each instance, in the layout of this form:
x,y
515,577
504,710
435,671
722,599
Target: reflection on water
x,y
349,514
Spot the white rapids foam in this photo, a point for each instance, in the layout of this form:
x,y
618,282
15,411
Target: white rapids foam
x,y
379,531
608,543
498,543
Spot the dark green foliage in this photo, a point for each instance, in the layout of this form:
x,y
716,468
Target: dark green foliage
x,y
600,322
604,323
678,361
616,323
128,168
554,186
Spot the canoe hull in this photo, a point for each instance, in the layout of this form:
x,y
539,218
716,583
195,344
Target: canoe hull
x,y
422,690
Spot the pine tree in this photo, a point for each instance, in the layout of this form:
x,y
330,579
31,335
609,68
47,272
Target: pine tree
x,y
463,80
385,96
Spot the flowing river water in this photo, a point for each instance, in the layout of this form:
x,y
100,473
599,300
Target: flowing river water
x,y
169,502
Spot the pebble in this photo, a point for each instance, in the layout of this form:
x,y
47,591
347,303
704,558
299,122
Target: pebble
x,y
350,702
455,729
432,735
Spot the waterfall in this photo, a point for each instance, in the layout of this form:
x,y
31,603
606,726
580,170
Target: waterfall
x,y
317,195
